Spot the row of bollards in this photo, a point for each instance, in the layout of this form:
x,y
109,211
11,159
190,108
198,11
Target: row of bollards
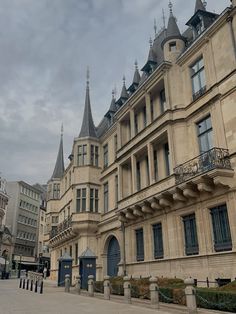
x,y
190,291
28,284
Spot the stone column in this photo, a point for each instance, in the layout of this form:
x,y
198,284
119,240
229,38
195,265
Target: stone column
x,y
78,284
154,293
67,283
148,108
151,163
106,285
190,293
91,285
120,178
119,142
127,290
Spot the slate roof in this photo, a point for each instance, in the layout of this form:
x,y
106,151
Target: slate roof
x,y
65,257
87,254
87,128
59,166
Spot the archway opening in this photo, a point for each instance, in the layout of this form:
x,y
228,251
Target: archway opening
x,y
113,257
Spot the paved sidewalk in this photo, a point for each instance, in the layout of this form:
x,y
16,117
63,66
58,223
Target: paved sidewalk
x,y
55,301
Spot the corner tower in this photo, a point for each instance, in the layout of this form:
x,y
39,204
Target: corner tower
x,y
173,44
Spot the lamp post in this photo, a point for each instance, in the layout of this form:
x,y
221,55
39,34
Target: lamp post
x,y
19,270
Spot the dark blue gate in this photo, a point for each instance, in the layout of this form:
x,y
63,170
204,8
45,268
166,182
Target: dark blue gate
x,y
113,257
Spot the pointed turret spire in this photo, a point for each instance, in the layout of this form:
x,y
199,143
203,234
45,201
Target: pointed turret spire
x,y
124,95
172,31
200,5
113,102
151,61
59,167
87,128
172,28
136,79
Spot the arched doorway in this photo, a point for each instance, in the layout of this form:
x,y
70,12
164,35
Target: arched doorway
x,y
113,257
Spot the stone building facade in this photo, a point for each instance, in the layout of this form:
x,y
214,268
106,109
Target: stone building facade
x,y
151,189
22,219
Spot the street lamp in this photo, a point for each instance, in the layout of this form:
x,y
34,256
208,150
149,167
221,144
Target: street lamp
x,y
19,270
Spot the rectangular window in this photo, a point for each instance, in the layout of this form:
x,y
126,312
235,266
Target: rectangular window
x,y
167,158
82,155
105,155
96,157
56,191
221,229
162,100
116,190
91,200
96,200
152,110
144,117
83,200
115,144
155,165
205,134
158,241
138,176
106,197
139,245
198,78
172,46
190,234
147,170
78,201
92,155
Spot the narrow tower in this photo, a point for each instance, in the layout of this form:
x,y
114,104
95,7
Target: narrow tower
x,y
174,44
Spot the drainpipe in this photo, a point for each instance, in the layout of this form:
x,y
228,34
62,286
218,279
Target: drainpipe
x,y
124,255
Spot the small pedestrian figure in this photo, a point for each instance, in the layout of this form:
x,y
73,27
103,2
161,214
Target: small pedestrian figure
x,y
45,273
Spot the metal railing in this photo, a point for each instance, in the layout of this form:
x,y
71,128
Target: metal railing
x,y
61,227
215,158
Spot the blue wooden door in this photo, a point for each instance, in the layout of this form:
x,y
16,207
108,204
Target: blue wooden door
x,y
113,257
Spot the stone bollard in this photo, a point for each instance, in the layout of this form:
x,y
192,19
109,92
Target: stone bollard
x,y
127,290
154,293
67,283
31,285
107,290
190,293
36,287
78,284
91,285
41,288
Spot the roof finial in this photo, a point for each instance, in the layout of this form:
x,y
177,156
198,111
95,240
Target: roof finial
x,y
113,94
204,4
164,18
136,64
115,90
171,7
62,129
87,77
150,42
155,27
124,80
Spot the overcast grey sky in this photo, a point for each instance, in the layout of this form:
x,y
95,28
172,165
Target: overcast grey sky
x,y
45,47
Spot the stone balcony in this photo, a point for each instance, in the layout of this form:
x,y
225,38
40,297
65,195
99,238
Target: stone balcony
x,y
203,175
77,223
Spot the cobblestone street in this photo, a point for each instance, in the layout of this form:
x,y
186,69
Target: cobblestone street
x,y
54,300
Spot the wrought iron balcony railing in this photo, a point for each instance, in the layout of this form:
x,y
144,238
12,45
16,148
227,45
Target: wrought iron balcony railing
x,y
215,158
61,227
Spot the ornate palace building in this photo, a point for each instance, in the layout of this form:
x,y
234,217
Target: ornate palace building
x,y
152,189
